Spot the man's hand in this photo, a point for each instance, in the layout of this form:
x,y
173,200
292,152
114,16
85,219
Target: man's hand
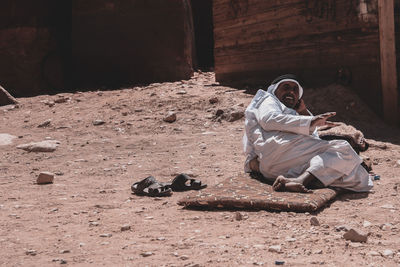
x,y
320,120
302,109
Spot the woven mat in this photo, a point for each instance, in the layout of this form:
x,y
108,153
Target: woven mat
x,y
243,192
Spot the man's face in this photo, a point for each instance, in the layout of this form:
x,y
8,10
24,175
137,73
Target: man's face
x,y
288,94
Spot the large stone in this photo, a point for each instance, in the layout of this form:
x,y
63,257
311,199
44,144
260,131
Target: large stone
x,y
43,146
6,139
355,236
45,178
6,98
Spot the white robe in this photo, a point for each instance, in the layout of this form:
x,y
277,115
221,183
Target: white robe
x,y
281,140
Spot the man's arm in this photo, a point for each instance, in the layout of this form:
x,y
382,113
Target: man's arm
x,y
271,118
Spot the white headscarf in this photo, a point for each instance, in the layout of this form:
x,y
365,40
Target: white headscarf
x,y
272,88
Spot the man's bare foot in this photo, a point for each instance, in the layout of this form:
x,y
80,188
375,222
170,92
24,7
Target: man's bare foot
x,y
293,185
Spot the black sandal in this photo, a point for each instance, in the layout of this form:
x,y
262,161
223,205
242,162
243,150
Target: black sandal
x,y
158,190
150,187
180,183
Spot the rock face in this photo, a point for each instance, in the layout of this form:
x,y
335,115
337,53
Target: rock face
x,y
355,236
6,98
45,178
44,146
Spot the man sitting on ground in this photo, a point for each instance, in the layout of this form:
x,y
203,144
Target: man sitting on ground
x,y
282,143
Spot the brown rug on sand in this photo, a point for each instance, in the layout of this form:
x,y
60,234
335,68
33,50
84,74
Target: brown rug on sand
x,y
243,192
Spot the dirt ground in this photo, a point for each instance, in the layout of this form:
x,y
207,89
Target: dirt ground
x,y
77,220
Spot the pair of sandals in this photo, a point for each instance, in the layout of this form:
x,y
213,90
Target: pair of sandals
x,y
149,186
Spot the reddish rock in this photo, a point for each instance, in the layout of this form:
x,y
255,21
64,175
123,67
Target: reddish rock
x,y
355,236
45,178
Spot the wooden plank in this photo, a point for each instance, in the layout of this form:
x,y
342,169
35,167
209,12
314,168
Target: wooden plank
x,y
388,61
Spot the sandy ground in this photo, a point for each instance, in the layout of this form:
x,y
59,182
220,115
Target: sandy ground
x,y
77,220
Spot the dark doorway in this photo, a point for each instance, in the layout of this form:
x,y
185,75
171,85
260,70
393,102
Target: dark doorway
x,y
204,34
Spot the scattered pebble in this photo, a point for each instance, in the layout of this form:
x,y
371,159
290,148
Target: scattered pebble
x,y
355,236
106,235
184,257
374,253
31,252
276,249
238,216
45,178
98,122
43,146
314,221
125,228
65,251
6,139
388,206
342,228
213,100
170,118
367,224
388,253
45,124
146,254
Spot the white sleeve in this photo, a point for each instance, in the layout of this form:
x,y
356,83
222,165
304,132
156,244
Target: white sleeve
x,y
271,118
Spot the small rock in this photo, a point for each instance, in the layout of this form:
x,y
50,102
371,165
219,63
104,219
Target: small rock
x,y
278,262
235,115
49,103
31,252
6,139
43,146
146,254
367,224
61,99
398,163
45,178
93,223
355,245
125,228
374,253
219,112
213,100
184,257
182,92
238,216
276,249
342,228
171,117
314,221
44,124
355,236
106,235
98,122
388,206
386,226
65,251
318,251
388,253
